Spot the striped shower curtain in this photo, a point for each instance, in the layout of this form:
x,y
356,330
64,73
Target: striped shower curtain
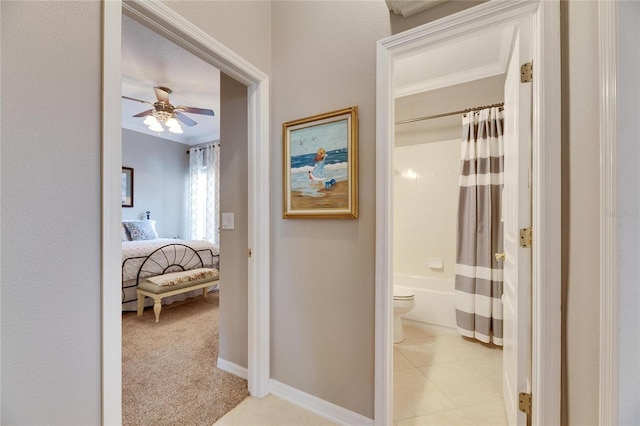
x,y
478,279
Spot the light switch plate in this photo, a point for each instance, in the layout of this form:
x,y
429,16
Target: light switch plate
x,y
228,221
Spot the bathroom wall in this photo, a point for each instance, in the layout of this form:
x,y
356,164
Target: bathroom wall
x,y
425,206
424,229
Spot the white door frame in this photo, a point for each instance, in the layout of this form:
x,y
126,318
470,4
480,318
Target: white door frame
x,y
175,28
609,282
546,283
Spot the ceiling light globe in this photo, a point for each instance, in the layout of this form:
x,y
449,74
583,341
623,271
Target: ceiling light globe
x,y
150,120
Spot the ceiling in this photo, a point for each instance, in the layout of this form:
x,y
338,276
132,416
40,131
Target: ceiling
x,y
149,60
458,61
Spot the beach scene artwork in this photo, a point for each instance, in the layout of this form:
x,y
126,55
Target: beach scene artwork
x,y
319,166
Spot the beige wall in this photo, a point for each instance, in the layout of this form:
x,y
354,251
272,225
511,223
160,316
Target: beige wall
x,y
322,279
50,213
485,91
323,57
242,26
234,242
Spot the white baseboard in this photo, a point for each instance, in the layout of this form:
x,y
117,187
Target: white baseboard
x,y
318,406
232,368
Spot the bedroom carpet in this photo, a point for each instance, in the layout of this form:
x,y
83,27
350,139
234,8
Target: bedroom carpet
x,y
169,373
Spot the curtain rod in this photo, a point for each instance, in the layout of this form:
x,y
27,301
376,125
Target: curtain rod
x,y
446,114
204,147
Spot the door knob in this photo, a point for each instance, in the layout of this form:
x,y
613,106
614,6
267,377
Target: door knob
x,y
500,257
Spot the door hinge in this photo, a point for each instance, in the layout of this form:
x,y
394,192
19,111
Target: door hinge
x,y
525,404
525,237
249,252
526,72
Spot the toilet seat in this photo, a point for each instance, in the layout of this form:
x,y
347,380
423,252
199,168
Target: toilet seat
x,y
400,293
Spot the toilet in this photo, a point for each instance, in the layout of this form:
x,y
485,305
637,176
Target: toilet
x,y
403,302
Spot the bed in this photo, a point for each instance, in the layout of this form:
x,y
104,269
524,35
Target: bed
x,y
147,255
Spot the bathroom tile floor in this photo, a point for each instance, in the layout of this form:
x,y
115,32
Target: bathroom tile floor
x,y
441,378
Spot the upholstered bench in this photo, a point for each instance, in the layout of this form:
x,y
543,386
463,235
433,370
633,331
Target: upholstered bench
x,y
172,283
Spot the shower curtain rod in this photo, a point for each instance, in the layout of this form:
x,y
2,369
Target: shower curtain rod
x,y
446,114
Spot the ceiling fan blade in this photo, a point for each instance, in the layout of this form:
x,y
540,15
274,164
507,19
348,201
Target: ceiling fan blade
x,y
186,120
144,113
194,110
137,100
162,93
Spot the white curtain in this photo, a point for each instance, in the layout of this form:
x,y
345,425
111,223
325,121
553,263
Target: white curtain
x,y
204,193
478,279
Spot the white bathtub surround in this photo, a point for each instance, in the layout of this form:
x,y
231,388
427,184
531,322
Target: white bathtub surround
x,y
425,203
434,299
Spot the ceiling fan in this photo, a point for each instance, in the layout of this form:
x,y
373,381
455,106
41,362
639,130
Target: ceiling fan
x,y
167,114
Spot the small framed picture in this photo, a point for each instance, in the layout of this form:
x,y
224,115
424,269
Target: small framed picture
x,y
320,159
127,187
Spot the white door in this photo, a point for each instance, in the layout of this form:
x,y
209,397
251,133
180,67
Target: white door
x,y
517,215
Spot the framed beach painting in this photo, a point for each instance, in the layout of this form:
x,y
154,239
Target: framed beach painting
x,y
320,166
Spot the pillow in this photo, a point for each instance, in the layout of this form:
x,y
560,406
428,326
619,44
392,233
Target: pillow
x,y
125,233
141,229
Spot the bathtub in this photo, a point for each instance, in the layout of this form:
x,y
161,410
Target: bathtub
x,y
434,297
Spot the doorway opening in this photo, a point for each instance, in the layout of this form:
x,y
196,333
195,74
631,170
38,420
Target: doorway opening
x,y
172,26
545,341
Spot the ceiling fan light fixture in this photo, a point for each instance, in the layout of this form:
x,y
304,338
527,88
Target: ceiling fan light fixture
x,y
172,122
176,129
150,120
163,116
156,127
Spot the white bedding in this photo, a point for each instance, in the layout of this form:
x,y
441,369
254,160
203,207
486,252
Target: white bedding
x,y
137,251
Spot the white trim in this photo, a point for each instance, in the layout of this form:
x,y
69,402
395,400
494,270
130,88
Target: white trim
x,y
111,246
546,215
259,287
232,368
0,222
546,175
609,361
175,28
325,409
451,79
385,115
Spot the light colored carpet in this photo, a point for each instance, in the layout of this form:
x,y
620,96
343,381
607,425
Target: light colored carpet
x,y
169,374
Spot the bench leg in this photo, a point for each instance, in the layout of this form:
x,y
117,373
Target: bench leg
x,y
204,292
140,304
157,307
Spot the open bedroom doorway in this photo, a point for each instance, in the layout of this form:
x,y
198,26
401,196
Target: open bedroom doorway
x,y
179,31
185,175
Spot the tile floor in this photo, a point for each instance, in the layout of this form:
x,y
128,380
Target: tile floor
x,y
440,378
270,411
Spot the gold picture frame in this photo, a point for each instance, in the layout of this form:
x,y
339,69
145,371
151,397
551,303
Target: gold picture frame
x,y
320,166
